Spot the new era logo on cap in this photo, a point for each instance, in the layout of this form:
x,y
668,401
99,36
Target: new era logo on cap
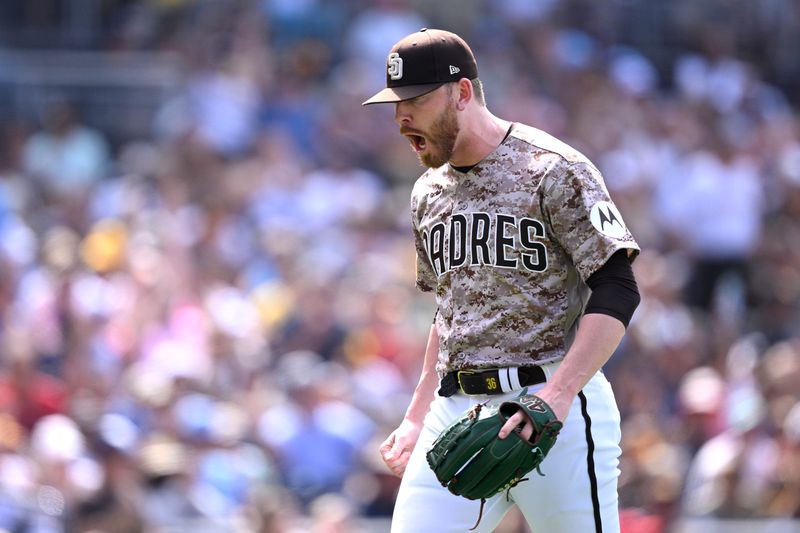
x,y
423,61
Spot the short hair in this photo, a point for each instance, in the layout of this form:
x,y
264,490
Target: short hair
x,y
477,90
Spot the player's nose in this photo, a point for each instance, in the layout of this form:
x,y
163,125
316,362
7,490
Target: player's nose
x,y
402,114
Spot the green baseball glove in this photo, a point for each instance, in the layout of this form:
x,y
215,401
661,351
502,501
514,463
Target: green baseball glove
x,y
472,462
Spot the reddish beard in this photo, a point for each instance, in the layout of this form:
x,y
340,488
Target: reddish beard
x,y
442,139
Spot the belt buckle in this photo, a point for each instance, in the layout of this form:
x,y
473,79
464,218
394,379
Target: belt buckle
x,y
458,377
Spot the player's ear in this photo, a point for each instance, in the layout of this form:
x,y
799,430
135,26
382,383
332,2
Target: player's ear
x,y
464,93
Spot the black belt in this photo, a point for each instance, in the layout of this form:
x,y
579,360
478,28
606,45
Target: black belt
x,y
491,380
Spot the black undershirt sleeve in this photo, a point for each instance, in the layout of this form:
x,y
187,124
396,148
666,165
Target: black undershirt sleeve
x,y
614,289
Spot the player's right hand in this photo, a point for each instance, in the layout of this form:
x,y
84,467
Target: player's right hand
x,y
397,448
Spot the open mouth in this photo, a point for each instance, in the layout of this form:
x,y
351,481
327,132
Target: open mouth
x,y
418,142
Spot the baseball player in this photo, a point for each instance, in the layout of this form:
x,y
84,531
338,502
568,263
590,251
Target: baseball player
x,y
530,263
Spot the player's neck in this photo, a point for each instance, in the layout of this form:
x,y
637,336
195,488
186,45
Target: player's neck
x,y
480,134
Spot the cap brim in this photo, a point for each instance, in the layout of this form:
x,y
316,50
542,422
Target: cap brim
x,y
398,94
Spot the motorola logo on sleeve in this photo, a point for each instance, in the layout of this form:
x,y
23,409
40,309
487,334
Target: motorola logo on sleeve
x,y
607,220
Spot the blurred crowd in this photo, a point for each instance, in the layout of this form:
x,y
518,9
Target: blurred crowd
x,y
213,327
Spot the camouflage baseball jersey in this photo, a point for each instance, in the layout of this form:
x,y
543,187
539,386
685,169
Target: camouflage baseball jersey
x,y
507,248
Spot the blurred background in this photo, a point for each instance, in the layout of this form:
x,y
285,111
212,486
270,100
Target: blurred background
x,y
208,319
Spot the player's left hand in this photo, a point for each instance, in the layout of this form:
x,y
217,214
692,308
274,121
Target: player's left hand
x,y
521,424
517,422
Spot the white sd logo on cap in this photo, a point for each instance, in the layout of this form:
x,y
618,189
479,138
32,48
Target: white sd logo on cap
x,y
395,64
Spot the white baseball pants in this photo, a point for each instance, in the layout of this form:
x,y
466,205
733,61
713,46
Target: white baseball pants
x,y
578,493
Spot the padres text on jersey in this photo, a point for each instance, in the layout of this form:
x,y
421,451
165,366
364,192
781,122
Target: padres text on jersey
x,y
516,242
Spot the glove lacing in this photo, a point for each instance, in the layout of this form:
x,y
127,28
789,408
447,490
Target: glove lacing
x,y
516,481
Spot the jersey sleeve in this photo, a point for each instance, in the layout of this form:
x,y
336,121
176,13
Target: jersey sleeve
x,y
426,280
582,217
426,277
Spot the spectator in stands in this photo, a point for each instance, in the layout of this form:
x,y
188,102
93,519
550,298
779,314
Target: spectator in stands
x,y
66,157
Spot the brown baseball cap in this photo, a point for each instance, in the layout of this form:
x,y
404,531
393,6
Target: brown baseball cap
x,y
422,62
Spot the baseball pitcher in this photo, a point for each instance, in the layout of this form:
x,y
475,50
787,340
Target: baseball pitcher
x,y
530,264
